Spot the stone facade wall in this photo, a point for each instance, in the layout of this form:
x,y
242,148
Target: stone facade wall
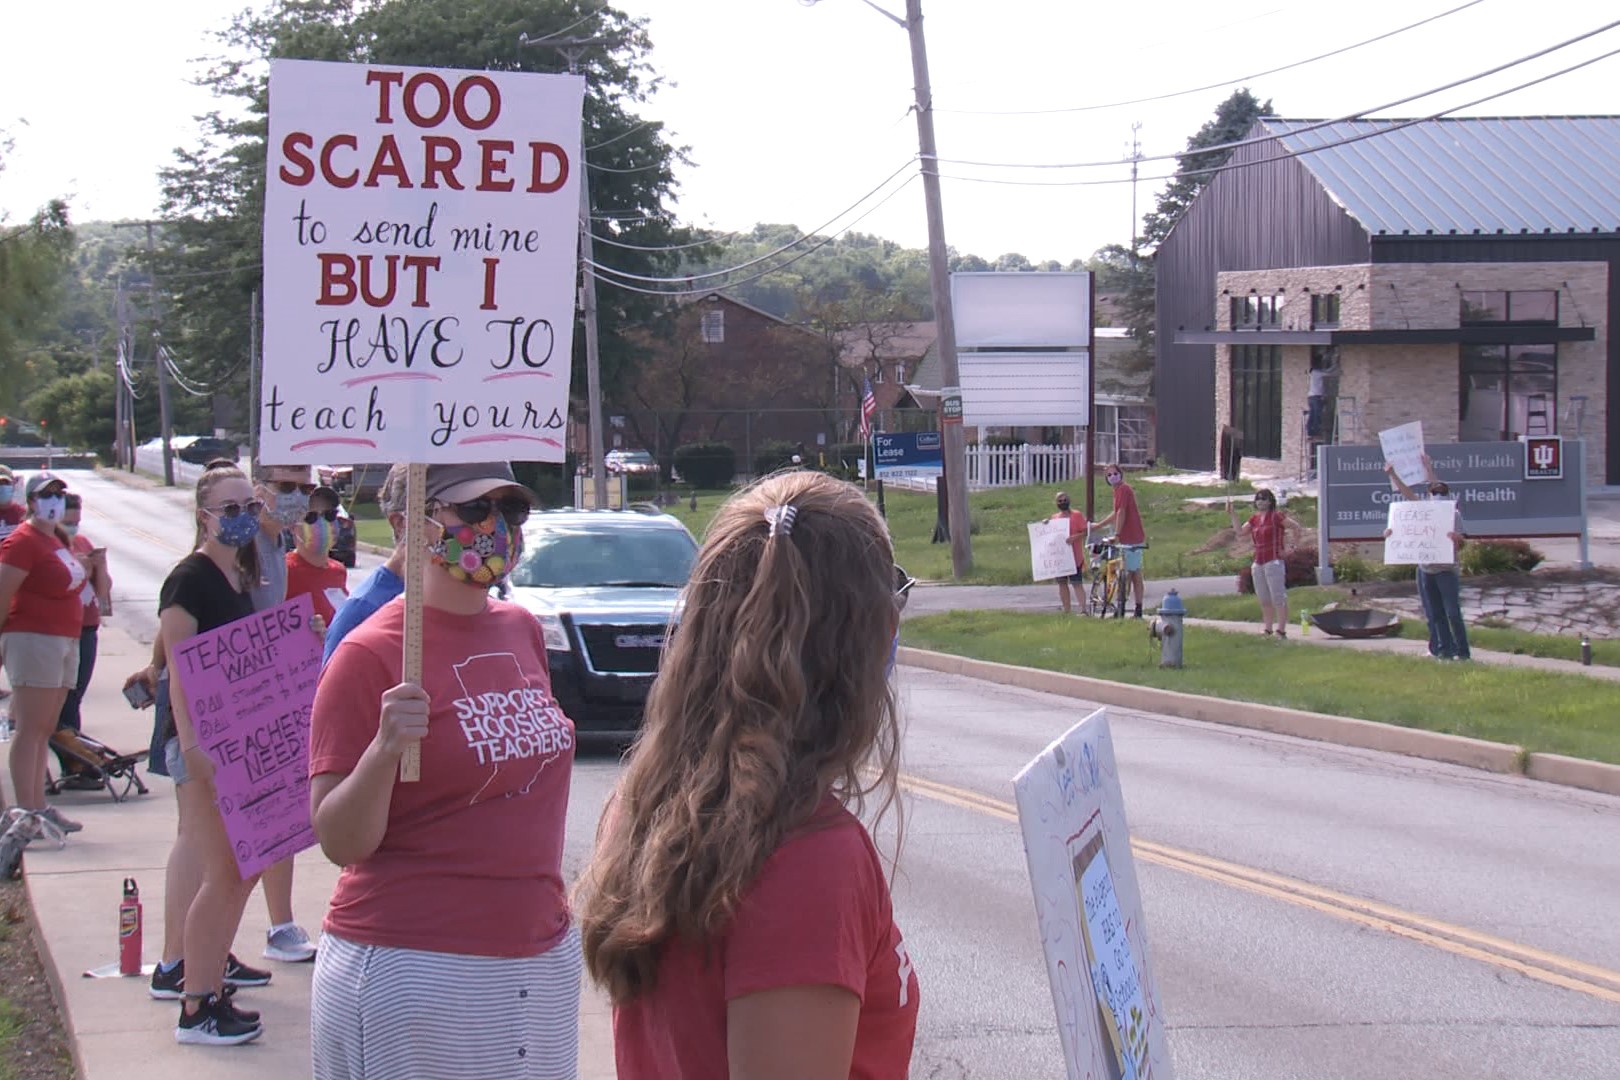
x,y
1395,384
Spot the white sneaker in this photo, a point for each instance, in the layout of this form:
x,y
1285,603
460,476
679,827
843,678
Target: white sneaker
x,y
60,820
288,944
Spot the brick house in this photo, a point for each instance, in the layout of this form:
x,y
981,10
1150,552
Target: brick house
x,y
1457,272
889,354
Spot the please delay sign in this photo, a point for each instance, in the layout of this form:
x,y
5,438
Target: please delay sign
x,y
420,252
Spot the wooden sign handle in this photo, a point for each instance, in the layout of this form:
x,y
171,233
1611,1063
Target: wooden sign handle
x,y
410,762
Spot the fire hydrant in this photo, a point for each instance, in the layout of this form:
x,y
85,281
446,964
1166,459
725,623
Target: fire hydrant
x,y
1166,629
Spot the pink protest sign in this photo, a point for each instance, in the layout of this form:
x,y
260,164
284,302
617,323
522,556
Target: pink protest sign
x,y
250,685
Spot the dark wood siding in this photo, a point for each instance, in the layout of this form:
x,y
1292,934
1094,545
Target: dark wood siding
x,y
1544,248
1272,214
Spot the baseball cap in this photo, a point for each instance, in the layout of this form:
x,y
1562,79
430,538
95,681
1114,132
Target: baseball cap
x,y
6,475
326,493
463,483
41,480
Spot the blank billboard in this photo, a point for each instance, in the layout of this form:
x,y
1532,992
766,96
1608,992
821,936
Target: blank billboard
x,y
1022,310
1025,389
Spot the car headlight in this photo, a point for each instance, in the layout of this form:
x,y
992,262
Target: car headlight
x,y
551,628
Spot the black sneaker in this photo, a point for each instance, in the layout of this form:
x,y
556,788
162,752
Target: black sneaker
x,y
239,975
169,985
215,1023
247,1016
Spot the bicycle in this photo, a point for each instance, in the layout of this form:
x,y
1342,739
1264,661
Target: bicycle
x,y
1107,590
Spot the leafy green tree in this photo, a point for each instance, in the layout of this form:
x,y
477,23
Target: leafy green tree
x,y
214,193
78,410
35,257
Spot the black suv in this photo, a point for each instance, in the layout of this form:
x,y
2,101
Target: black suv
x,y
605,585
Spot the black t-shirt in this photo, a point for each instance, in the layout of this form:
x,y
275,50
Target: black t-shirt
x,y
198,587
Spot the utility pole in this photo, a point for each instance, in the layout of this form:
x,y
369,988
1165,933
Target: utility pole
x,y
157,360
573,50
118,376
1135,158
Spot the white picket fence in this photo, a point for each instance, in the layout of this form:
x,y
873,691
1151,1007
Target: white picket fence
x,y
1019,466
1013,466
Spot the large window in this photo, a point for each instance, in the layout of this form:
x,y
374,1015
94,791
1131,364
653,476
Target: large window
x,y
1531,307
1257,398
1324,309
1507,391
1255,312
714,327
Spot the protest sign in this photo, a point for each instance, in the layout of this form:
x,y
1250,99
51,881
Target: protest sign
x,y
1403,448
1089,909
1419,532
250,686
420,254
1050,553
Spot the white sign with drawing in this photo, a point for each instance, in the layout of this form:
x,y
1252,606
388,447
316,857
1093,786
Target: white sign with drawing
x,y
420,253
1403,448
1419,532
1050,553
1089,908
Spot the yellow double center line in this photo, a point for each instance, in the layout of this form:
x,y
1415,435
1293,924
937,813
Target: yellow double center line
x,y
1546,967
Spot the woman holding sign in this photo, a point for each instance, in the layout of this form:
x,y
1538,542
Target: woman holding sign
x,y
209,588
448,948
736,909
1268,528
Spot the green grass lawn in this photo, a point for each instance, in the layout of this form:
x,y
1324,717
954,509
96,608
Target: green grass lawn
x,y
1501,639
1541,711
1001,541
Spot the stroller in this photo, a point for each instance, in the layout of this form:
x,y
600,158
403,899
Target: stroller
x,y
89,763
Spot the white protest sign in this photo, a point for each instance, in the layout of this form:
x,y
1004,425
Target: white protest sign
x,y
1419,532
1050,553
421,236
1403,448
1089,908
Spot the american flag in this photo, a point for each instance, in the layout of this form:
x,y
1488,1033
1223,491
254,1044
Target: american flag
x,y
868,408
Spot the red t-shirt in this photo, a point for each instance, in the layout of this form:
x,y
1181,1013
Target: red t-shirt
x,y
47,601
92,608
818,914
11,516
1266,529
1127,518
471,861
304,579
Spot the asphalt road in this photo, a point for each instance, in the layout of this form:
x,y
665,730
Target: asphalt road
x,y
1313,912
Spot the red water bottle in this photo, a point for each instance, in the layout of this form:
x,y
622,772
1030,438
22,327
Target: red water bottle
x,y
129,929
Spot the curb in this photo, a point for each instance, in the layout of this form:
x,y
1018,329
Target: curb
x,y
1321,727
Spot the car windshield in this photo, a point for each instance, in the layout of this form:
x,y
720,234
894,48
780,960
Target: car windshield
x,y
584,557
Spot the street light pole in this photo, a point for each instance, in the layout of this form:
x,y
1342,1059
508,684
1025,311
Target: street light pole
x,y
939,282
572,50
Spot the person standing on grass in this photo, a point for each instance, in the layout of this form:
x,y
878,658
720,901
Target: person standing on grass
x,y
736,909
1440,584
1127,522
97,599
41,618
1268,528
383,583
1077,542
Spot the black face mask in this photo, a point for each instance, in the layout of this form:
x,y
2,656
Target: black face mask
x,y
1063,505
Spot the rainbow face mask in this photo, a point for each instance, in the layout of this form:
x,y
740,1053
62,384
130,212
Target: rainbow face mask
x,y
480,554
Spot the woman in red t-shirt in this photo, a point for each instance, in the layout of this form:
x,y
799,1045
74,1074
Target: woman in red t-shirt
x,y
736,909
311,571
40,581
448,949
1268,528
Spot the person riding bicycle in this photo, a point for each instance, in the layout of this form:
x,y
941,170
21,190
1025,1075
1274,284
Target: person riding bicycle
x,y
1127,522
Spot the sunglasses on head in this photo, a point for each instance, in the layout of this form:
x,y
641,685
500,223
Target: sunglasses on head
x,y
287,487
315,515
513,508
233,509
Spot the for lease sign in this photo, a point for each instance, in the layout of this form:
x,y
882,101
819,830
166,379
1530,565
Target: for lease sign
x,y
420,252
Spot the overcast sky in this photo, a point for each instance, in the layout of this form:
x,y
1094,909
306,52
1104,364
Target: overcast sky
x,y
793,112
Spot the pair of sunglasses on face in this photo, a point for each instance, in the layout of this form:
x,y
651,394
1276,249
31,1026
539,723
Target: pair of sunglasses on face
x,y
287,487
233,509
316,515
513,508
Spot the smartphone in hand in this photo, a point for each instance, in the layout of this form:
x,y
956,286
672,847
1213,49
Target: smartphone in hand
x,y
138,696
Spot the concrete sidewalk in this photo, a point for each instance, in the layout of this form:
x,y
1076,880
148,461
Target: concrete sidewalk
x,y
116,1031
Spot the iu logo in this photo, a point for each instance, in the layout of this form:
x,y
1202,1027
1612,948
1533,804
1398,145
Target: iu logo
x,y
1544,457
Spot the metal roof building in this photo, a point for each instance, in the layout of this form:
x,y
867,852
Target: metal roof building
x,y
1305,193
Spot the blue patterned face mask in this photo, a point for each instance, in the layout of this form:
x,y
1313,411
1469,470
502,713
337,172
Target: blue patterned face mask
x,y
237,531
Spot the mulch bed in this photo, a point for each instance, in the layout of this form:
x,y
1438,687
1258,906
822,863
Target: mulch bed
x,y
33,1045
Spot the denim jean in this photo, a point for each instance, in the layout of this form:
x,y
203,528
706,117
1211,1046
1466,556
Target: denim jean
x,y
1442,603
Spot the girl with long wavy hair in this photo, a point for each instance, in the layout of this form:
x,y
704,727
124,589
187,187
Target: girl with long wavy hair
x,y
736,909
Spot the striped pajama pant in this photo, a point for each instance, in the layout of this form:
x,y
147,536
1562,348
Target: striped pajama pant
x,y
399,1014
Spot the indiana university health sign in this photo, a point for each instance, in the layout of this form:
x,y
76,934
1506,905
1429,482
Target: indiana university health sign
x,y
1495,491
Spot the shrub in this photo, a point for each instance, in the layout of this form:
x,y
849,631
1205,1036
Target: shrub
x,y
1499,557
1351,569
773,454
1299,568
706,465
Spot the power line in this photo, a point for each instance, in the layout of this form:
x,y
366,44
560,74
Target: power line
x,y
1211,86
1393,126
626,133
1357,115
718,238
690,278
764,273
631,169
